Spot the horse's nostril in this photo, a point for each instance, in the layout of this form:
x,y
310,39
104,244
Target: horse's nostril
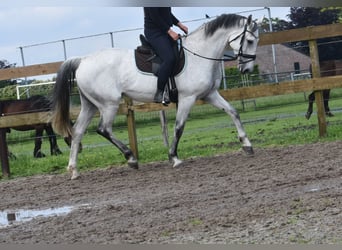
x,y
245,71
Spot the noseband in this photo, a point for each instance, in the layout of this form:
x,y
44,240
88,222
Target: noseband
x,y
242,40
227,58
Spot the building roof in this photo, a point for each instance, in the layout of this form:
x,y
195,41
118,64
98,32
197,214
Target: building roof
x,y
285,58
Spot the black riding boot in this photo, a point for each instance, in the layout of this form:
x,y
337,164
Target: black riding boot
x,y
161,96
158,97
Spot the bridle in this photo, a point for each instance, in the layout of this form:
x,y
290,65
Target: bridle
x,y
227,58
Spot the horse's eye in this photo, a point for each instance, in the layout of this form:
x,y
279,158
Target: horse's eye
x,y
250,42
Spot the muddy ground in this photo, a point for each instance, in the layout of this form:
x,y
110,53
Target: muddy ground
x,y
281,195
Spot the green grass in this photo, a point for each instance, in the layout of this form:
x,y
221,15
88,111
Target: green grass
x,y
277,121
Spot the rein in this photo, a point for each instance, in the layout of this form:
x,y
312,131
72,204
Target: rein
x,y
227,58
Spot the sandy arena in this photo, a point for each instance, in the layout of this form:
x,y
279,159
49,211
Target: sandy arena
x,y
281,195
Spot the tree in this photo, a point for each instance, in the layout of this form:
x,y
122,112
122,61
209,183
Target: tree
x,y
4,64
300,17
277,24
309,16
328,48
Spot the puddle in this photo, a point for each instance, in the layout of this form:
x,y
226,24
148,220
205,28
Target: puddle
x,y
10,217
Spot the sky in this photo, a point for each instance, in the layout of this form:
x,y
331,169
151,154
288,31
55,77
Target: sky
x,y
23,26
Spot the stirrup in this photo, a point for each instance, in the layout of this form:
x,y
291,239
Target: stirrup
x,y
166,98
165,103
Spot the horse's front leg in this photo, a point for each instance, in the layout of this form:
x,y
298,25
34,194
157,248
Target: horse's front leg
x,y
218,101
310,106
183,110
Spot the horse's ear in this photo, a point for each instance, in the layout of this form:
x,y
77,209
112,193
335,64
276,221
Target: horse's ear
x,y
252,24
249,20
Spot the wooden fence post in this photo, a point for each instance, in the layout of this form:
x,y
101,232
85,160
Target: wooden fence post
x,y
316,72
132,133
4,154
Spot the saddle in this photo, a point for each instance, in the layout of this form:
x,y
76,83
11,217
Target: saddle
x,y
148,61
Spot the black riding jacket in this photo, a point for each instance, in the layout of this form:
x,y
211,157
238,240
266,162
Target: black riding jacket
x,y
159,18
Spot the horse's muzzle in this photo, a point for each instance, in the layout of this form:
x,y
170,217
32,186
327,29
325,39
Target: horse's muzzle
x,y
245,68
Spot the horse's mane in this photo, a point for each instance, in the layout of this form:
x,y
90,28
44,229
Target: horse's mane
x,y
224,20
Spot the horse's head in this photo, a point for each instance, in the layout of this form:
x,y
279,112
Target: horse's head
x,y
245,44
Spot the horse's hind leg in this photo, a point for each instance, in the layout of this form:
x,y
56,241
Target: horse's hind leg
x,y
86,114
105,129
54,150
68,139
37,153
218,101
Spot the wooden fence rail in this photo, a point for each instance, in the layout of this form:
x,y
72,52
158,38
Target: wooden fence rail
x,y
316,84
263,90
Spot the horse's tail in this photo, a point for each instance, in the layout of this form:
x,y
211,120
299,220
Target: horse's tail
x,y
61,97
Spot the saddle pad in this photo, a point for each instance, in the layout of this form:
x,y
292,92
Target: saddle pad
x,y
141,61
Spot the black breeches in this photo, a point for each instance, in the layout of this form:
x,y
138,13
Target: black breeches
x,y
163,45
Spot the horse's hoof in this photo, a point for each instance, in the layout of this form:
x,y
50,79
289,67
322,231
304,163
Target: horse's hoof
x,y
177,162
133,164
74,173
329,114
308,115
57,152
75,176
248,150
12,156
39,155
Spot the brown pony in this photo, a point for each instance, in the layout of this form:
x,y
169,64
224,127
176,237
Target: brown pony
x,y
33,104
328,68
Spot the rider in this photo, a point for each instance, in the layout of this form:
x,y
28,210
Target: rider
x,y
157,28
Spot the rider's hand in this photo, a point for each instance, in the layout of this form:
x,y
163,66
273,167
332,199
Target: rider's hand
x,y
183,27
173,34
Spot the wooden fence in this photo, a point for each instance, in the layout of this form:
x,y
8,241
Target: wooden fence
x,y
317,84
